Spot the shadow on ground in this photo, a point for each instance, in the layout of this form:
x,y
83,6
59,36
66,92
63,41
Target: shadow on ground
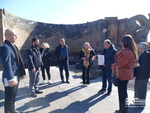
x,y
44,102
83,106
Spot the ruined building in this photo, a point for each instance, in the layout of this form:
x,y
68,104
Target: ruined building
x,y
94,32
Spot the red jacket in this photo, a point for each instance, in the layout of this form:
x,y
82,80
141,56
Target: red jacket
x,y
125,61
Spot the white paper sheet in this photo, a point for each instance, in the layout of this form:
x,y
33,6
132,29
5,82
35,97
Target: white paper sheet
x,y
6,81
101,59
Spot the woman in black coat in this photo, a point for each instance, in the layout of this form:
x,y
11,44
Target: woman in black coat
x,y
141,73
86,55
46,55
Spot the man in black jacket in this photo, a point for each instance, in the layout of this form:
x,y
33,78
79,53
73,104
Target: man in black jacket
x,y
61,52
34,65
109,53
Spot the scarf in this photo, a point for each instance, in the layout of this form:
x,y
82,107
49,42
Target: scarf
x,y
87,56
19,60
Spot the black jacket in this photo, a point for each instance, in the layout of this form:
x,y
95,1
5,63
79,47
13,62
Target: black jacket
x,y
109,55
58,52
143,72
81,55
34,58
46,56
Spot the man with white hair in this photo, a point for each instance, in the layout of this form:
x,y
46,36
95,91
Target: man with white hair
x,y
109,53
62,53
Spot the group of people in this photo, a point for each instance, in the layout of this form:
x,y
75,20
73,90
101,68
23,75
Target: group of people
x,y
40,60
132,61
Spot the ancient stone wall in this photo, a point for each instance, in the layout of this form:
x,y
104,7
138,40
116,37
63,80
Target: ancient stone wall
x,y
75,35
113,29
138,26
94,32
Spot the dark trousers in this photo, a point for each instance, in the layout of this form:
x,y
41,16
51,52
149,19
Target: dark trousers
x,y
122,93
10,95
64,64
85,75
47,68
140,88
107,76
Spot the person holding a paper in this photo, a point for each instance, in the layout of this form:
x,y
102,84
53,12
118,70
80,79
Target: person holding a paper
x,y
86,55
106,59
13,69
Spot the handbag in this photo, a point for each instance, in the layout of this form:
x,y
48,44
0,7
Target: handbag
x,y
115,79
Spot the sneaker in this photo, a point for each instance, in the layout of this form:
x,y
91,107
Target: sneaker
x,y
102,91
38,92
85,85
50,82
44,82
33,95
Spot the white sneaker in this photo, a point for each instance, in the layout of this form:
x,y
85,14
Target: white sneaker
x,y
44,82
50,82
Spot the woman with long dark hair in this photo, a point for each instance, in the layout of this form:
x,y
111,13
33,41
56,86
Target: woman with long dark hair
x,y
125,62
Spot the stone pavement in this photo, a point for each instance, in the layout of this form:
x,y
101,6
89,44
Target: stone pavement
x,y
70,98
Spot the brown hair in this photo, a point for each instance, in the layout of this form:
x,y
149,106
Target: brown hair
x,y
128,42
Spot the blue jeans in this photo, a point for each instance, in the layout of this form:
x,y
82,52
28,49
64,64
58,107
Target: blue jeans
x,y
107,76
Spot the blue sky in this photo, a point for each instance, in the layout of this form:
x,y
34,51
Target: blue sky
x,y
74,11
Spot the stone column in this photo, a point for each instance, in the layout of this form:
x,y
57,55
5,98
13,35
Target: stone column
x,y
113,29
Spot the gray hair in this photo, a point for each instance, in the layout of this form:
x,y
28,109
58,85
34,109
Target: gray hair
x,y
62,39
108,41
87,43
144,46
